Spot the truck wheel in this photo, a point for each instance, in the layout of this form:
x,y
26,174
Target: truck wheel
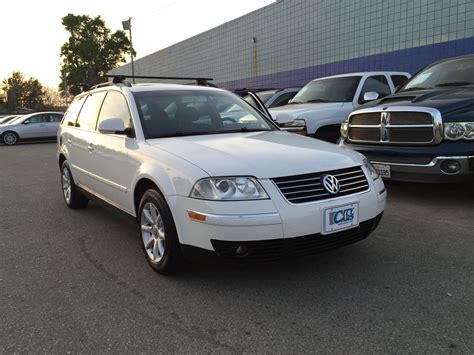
x,y
158,234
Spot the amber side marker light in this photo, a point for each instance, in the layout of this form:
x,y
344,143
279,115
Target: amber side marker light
x,y
196,216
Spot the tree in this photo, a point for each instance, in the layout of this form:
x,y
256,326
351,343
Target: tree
x,y
23,93
91,50
52,100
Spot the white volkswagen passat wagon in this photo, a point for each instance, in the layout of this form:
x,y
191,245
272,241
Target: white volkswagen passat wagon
x,y
200,177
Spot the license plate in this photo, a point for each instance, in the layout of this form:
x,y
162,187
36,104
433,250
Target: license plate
x,y
340,217
383,170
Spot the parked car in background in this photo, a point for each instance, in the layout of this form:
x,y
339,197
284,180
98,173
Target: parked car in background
x,y
40,125
425,131
8,118
198,178
275,97
320,107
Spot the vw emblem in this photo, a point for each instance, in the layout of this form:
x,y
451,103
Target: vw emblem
x,y
331,184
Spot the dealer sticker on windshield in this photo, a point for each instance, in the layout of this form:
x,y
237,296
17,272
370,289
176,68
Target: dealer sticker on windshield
x,y
341,217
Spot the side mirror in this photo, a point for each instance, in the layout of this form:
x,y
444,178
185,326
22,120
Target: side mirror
x,y
26,122
283,117
112,126
371,96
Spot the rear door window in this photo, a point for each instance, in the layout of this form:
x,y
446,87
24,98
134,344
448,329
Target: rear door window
x,y
90,111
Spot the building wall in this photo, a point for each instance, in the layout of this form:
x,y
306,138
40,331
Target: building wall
x,y
293,41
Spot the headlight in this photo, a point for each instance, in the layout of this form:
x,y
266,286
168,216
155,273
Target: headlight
x,y
373,173
459,130
228,188
345,129
297,126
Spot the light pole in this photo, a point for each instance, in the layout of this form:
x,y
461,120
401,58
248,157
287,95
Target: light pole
x,y
127,25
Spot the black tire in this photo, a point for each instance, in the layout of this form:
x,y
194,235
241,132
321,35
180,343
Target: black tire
x,y
10,138
171,260
76,199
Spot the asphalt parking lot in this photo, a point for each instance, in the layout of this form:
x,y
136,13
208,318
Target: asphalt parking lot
x,y
77,280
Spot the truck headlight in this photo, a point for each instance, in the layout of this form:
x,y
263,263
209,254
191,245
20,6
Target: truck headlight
x,y
459,130
345,129
297,126
373,173
228,188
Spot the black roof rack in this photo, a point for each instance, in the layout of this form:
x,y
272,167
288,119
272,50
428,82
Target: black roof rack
x,y
199,81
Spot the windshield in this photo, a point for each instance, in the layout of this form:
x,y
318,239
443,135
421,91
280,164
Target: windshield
x,y
191,112
340,89
456,72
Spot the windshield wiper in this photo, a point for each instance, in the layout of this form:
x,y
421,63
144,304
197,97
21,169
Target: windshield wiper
x,y
184,134
454,83
245,130
295,103
416,88
319,100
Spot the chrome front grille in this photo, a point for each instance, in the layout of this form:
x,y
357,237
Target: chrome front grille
x,y
308,187
395,125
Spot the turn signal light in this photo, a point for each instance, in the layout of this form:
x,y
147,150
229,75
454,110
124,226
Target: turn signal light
x,y
197,216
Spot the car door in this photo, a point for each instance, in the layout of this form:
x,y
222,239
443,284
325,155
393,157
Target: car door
x,y
113,169
33,127
113,166
80,142
52,124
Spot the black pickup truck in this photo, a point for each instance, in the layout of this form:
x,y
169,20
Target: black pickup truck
x,y
425,131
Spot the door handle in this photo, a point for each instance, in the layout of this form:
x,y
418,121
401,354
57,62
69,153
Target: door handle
x,y
69,141
90,147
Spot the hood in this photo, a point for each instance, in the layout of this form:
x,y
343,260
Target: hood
x,y
260,154
301,110
446,100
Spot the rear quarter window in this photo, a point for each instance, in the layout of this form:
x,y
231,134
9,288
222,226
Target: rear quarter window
x,y
72,112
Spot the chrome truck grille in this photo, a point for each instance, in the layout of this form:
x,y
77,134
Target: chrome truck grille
x,y
309,187
395,125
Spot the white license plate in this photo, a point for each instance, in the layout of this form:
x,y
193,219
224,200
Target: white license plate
x,y
340,217
383,170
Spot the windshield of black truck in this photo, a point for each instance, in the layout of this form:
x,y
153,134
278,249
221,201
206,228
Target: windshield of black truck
x,y
457,72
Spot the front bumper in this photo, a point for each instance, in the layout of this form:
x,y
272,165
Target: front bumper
x,y
269,221
432,171
421,163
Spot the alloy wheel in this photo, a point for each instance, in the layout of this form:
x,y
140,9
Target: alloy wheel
x,y
9,138
66,180
152,232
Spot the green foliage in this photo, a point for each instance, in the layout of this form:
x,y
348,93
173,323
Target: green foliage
x,y
91,50
23,93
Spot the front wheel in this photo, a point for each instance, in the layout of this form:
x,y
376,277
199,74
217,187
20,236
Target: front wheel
x,y
72,196
10,138
158,233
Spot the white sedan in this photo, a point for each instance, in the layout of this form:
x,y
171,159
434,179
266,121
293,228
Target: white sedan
x,y
41,125
199,178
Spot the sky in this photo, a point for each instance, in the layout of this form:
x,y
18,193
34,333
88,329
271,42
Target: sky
x,y
32,33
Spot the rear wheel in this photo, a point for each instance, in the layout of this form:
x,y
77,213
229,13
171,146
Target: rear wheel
x,y
10,138
72,196
158,233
